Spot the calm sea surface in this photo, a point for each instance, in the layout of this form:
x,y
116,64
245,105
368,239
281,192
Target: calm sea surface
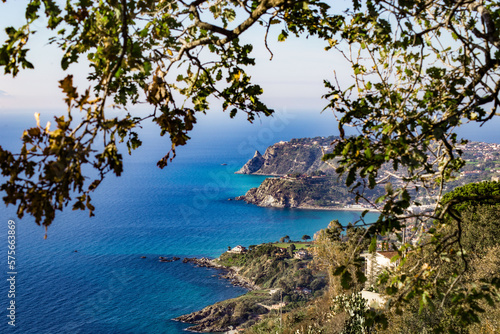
x,y
183,210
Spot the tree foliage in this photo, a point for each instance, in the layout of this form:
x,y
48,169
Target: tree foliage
x,y
340,256
172,55
420,70
458,282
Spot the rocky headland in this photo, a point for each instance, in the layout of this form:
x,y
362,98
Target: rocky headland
x,y
301,179
296,156
299,192
271,274
223,316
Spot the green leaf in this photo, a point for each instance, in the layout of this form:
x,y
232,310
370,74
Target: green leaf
x,y
32,9
368,153
373,245
283,36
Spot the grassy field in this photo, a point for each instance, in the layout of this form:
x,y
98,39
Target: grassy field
x,y
298,245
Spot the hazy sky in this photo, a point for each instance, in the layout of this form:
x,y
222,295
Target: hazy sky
x,y
292,80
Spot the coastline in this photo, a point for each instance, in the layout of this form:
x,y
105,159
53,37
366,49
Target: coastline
x,y
227,273
308,207
265,269
282,201
334,209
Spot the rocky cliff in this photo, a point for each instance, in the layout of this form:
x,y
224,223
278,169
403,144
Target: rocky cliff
x,y
224,315
301,192
253,165
296,156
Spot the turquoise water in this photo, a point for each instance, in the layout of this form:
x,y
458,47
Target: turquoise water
x,y
183,210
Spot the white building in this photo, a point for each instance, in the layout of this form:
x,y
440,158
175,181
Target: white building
x,y
238,249
376,263
301,255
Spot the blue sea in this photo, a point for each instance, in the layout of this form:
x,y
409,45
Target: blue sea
x,y
89,276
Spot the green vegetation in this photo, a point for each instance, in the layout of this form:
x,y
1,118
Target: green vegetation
x,y
406,109
268,267
228,313
472,267
302,320
354,306
327,314
286,238
279,277
472,195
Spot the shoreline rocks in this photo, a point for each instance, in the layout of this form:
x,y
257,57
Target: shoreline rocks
x,y
264,266
166,259
220,317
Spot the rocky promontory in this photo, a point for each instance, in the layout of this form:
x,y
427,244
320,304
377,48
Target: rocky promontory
x,y
304,180
299,192
296,156
223,316
267,269
253,165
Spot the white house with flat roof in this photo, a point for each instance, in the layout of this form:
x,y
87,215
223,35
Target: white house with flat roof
x,y
238,249
376,263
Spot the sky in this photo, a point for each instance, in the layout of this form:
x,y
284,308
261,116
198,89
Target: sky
x,y
292,80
